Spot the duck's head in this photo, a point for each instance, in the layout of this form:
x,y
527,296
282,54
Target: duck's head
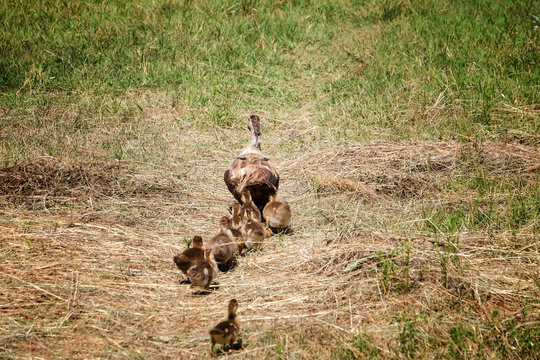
x,y
254,125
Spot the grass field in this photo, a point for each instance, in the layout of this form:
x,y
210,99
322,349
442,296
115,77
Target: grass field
x,y
407,137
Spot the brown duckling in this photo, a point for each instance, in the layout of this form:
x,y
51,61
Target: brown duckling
x,y
190,256
247,203
236,218
277,213
236,222
238,238
253,231
224,245
226,332
202,273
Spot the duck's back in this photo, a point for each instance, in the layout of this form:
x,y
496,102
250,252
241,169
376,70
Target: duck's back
x,y
254,172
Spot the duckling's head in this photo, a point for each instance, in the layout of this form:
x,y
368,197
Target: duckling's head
x,y
224,223
235,222
233,306
248,214
209,255
197,242
241,247
236,209
272,197
245,196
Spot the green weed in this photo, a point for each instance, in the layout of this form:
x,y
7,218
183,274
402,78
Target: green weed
x,y
362,348
408,336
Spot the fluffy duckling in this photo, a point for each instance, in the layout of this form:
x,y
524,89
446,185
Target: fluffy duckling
x,y
247,203
190,256
235,222
236,218
202,273
226,332
276,213
253,231
224,245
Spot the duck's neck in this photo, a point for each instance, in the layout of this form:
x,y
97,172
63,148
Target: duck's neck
x,y
256,141
254,147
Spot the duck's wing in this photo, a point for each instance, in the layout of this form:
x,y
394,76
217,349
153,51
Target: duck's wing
x,y
232,184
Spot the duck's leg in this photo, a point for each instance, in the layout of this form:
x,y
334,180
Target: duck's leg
x,y
231,348
238,347
267,231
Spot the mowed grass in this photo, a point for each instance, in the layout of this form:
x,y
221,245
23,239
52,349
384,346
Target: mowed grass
x,y
407,137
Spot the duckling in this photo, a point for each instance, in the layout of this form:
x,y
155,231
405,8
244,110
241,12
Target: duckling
x,y
224,245
202,273
235,221
247,203
226,332
235,226
253,231
276,213
190,256
236,218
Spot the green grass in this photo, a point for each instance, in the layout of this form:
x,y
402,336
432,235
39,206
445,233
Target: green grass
x,y
358,67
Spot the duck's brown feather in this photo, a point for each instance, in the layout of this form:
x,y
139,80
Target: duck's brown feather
x,y
253,172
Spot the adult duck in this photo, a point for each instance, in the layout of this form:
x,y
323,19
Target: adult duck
x,y
251,171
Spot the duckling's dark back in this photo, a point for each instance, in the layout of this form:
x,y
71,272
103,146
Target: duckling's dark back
x,y
188,258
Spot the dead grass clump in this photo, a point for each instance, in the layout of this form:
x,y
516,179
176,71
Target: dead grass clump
x,y
54,180
510,157
341,184
407,169
48,177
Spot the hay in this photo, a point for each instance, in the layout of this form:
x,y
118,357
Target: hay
x,y
103,278
406,169
48,176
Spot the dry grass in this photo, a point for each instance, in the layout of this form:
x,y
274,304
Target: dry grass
x,y
87,253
